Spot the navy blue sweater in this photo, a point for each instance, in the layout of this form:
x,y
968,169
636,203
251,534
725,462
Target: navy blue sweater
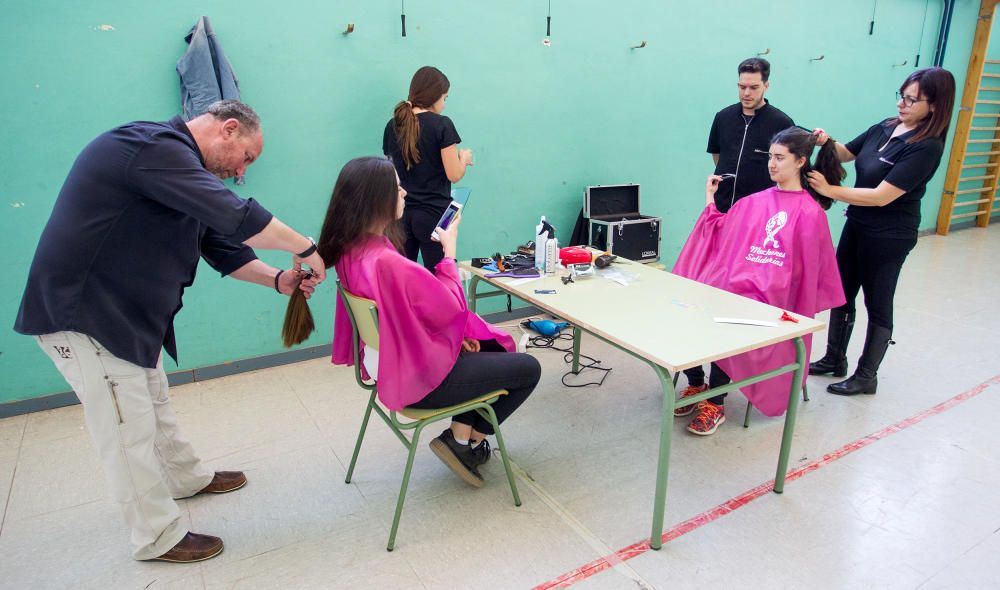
x,y
137,210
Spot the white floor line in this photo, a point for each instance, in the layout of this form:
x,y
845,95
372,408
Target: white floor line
x,y
582,531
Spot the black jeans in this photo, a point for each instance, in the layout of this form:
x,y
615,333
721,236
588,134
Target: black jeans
x,y
717,378
476,373
871,264
418,223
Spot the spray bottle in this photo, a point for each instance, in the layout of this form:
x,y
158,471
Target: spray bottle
x,y
540,238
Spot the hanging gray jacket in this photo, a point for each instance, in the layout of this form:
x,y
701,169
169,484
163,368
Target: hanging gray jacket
x,y
206,75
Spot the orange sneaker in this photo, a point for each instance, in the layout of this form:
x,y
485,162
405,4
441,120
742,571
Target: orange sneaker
x,y
688,392
709,417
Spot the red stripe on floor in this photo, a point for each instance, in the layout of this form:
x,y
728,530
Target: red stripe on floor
x,y
637,549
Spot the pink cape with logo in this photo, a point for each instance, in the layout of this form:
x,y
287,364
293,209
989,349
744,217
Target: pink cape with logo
x,y
422,320
775,247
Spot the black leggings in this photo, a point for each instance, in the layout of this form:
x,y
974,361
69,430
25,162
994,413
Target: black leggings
x,y
476,373
871,264
717,378
418,223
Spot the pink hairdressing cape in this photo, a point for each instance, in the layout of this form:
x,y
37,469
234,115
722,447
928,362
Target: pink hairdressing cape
x,y
422,320
773,246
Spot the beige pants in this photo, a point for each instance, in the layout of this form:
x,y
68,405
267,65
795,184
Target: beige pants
x,y
146,460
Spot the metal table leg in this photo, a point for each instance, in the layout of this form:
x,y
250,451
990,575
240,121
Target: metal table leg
x,y
793,408
663,461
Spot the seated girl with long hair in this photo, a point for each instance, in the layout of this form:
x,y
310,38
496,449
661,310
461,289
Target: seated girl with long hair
x,y
433,352
775,247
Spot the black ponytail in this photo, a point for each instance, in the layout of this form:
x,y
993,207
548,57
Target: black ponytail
x,y
828,164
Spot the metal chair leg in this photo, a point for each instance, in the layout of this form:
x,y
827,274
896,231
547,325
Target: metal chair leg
x,y
492,418
403,486
746,419
361,437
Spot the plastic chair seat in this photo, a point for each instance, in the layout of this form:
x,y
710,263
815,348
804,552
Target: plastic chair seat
x,y
428,413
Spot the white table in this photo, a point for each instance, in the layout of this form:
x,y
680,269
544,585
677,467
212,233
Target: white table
x,y
638,318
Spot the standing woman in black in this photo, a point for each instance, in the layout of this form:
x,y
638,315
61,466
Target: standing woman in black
x,y
423,145
893,161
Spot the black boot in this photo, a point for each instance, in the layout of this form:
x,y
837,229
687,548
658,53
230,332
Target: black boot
x,y
864,379
834,362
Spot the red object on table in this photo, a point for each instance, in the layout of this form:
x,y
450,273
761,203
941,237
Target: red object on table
x,y
785,317
574,255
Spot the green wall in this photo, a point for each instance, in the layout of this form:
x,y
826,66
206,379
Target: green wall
x,y
544,121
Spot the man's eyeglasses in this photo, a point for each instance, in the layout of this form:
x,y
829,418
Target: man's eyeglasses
x,y
908,100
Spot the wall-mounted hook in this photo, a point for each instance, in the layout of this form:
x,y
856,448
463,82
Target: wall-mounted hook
x,y
900,65
402,15
349,29
820,58
765,52
639,46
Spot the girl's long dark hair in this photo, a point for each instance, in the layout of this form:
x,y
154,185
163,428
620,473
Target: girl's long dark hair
x,y
427,86
800,143
363,198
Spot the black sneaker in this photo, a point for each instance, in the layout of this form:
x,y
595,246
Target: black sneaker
x,y
458,457
481,452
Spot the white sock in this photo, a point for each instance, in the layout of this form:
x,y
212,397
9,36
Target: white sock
x,y
462,442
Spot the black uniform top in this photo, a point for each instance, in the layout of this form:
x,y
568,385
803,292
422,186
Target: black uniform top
x,y
908,166
136,211
427,185
742,142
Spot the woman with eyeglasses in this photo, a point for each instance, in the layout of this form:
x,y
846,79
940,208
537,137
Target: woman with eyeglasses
x,y
893,161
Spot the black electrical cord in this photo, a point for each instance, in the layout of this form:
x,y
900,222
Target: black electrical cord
x,y
549,342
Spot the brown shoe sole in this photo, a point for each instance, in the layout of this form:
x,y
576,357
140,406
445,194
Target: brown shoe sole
x,y
223,491
204,491
448,458
172,560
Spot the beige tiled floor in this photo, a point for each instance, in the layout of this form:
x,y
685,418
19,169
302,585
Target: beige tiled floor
x,y
917,509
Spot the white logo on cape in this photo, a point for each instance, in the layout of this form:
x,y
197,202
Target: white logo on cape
x,y
773,226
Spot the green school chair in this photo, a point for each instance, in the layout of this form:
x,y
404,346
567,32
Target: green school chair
x,y
364,321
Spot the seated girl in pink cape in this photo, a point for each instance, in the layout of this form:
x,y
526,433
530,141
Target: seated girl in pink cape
x,y
773,246
433,352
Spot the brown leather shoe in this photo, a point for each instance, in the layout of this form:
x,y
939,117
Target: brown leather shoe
x,y
225,482
193,547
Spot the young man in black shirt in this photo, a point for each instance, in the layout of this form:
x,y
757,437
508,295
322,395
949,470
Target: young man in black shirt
x,y
739,140
741,134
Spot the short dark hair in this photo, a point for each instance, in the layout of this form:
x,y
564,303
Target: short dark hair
x,y
234,109
755,65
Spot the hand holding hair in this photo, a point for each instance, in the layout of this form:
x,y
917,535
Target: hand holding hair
x,y
821,136
819,184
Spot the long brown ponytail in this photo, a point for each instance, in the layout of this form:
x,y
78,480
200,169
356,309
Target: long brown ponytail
x,y
298,319
426,88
